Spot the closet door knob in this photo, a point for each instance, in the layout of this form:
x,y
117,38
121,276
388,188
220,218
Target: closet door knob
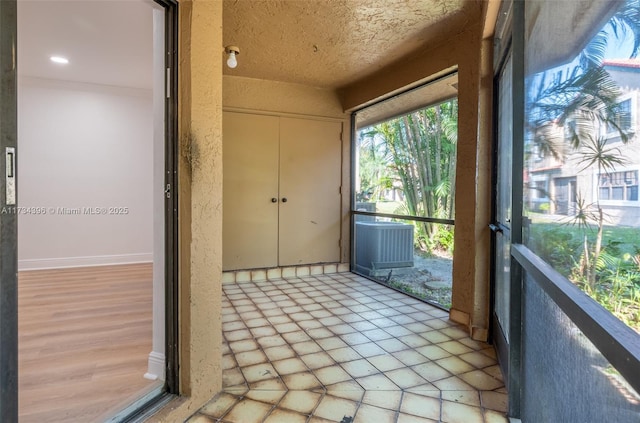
x,y
284,199
274,200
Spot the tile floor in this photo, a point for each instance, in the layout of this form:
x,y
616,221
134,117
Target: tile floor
x,y
341,348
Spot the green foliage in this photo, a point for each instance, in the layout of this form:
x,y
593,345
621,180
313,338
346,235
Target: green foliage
x,y
617,278
415,155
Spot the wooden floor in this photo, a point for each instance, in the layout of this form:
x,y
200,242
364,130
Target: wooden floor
x,y
84,341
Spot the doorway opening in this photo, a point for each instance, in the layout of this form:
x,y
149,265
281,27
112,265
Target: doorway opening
x,y
95,219
404,164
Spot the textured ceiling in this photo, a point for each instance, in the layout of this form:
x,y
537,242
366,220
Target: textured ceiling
x,y
333,43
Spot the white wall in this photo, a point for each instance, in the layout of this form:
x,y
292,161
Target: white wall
x,y
84,145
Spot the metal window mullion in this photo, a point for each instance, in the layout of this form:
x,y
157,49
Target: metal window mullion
x,y
514,380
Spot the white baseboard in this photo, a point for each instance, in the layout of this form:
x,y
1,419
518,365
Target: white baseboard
x,y
156,364
66,262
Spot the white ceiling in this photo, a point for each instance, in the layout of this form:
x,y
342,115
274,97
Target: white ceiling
x,y
108,42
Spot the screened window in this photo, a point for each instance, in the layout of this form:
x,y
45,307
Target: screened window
x,y
404,189
589,229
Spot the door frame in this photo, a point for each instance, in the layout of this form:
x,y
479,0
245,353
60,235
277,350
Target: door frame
x,y
172,379
8,217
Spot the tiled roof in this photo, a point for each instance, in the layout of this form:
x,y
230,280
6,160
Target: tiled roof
x,y
623,63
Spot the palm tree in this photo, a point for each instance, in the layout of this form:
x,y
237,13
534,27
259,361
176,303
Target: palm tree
x,y
574,104
421,155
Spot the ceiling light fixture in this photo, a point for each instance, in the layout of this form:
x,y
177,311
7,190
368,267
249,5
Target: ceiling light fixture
x,y
232,51
59,60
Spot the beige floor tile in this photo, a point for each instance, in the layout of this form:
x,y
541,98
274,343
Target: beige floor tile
x,y
471,398
274,384
301,401
477,359
481,380
299,316
359,368
491,416
368,414
307,325
385,362
497,401
420,406
248,411
408,418
271,341
286,327
413,340
453,412
332,374
345,354
249,358
279,353
410,357
235,325
219,405
279,320
268,396
398,331
377,383
348,389
314,419
289,366
297,336
238,335
304,348
199,418
455,347
310,322
405,378
455,365
384,399
353,339
335,409
320,333
281,416
259,372
228,362
376,335
453,383
431,371
494,371
244,345
331,343
232,377
435,336
318,360
369,349
433,352
301,381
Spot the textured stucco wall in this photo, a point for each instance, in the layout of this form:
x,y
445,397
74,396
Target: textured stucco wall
x,y
200,191
470,299
287,99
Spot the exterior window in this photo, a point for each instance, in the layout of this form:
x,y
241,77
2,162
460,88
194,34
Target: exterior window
x,y
588,228
621,186
622,117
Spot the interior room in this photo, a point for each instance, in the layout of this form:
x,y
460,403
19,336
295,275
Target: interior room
x,y
90,244
276,316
